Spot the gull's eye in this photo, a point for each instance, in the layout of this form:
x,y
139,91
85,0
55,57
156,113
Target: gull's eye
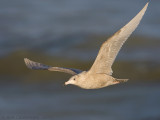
x,y
74,78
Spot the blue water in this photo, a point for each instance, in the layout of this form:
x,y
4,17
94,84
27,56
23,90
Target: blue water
x,y
75,29
53,26
53,101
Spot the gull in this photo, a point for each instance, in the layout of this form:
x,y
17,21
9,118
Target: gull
x,y
100,74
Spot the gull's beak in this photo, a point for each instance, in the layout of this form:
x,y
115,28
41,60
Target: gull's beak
x,y
69,82
66,83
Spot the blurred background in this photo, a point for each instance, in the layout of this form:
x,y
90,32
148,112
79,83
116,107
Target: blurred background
x,y
69,34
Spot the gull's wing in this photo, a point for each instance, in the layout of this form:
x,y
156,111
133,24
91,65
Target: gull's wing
x,y
111,47
39,66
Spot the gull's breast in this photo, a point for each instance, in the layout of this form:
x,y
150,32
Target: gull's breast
x,y
94,81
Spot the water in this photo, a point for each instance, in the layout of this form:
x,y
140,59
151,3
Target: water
x,y
137,101
56,26
69,34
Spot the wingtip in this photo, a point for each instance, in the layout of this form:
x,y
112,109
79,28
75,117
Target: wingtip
x,y
147,2
145,7
27,62
25,59
138,17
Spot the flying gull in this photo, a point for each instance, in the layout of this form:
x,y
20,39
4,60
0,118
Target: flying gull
x,y
100,74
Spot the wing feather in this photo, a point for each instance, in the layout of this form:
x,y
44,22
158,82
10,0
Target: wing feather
x,y
111,47
39,66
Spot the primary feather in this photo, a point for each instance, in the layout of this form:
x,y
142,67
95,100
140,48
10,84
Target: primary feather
x,y
39,66
111,47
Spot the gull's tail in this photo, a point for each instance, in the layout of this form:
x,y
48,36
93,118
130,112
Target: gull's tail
x,y
121,80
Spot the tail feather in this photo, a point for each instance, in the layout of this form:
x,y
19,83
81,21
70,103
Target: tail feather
x,y
121,80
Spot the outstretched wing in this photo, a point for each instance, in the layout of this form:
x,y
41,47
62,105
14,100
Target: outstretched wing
x,y
39,66
111,47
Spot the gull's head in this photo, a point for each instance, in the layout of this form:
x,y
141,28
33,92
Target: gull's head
x,y
72,80
76,79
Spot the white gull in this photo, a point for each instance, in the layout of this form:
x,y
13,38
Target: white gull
x,y
100,74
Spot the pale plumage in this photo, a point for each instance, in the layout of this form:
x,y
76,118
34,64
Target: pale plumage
x,y
99,75
111,47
